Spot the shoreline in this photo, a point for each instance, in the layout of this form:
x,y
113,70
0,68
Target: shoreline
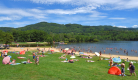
x,y
57,50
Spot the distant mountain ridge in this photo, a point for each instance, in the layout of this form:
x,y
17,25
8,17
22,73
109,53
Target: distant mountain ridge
x,y
67,28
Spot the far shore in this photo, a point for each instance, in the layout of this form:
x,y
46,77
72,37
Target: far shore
x,y
56,50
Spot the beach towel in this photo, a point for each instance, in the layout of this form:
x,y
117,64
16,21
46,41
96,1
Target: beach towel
x,y
64,61
106,59
72,57
21,57
89,61
15,64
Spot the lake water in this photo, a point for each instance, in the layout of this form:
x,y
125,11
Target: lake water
x,y
103,45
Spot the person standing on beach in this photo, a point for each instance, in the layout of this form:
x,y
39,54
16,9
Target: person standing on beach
x,y
132,69
111,63
100,53
122,68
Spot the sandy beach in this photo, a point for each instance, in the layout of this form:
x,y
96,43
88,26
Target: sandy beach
x,y
57,50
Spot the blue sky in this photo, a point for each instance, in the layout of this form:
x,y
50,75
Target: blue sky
x,y
119,13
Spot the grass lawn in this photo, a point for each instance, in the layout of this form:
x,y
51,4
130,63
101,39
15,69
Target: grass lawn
x,y
50,68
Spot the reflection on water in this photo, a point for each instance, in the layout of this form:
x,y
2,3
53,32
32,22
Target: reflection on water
x,y
112,47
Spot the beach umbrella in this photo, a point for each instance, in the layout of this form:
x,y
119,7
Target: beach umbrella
x,y
97,54
66,48
81,53
6,60
52,50
116,60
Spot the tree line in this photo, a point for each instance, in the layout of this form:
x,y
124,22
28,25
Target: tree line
x,y
42,36
49,32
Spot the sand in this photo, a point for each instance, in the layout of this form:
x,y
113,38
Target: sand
x,y
57,50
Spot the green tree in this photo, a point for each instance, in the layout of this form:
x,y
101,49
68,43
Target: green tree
x,y
7,38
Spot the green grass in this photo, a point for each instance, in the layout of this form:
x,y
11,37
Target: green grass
x,y
50,68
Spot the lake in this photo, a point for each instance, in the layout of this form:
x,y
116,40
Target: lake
x,y
109,46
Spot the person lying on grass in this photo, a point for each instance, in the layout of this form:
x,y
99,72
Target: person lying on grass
x,y
28,61
71,61
13,61
62,57
89,56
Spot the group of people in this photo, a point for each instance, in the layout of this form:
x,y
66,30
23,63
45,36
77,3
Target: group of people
x,y
4,54
36,58
131,67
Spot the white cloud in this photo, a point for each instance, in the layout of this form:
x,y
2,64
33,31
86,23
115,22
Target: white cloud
x,y
42,14
16,14
86,9
116,18
13,17
114,26
107,4
16,24
135,26
5,18
122,26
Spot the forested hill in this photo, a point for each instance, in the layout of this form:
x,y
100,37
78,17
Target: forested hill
x,y
67,28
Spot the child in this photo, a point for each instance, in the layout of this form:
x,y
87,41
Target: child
x,y
37,60
34,55
13,61
123,69
111,63
28,61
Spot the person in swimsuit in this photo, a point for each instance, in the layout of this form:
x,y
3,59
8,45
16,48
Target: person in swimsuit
x,y
132,69
111,63
37,60
122,68
34,56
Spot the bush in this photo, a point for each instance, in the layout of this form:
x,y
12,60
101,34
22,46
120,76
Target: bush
x,y
95,40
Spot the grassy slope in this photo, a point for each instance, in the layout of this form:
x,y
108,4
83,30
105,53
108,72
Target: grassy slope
x,y
50,68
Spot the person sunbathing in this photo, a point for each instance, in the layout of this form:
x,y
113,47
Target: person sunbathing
x,y
89,56
28,61
71,61
89,61
62,57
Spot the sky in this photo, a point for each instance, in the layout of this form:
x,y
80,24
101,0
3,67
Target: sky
x,y
117,13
